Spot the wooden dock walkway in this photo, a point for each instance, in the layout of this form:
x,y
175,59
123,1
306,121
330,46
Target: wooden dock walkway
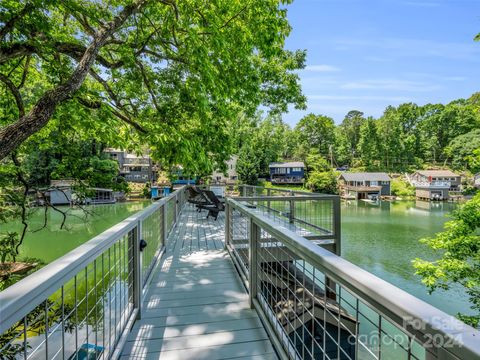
x,y
196,306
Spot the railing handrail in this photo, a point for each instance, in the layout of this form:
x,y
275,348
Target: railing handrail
x,y
283,190
289,191
22,297
285,198
395,303
431,183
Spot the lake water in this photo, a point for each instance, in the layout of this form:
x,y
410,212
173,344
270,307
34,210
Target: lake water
x,y
52,242
382,239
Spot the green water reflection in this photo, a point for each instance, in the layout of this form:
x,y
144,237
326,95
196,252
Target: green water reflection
x,y
52,242
383,239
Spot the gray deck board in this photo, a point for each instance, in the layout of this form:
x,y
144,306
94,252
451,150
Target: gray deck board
x,y
196,307
252,350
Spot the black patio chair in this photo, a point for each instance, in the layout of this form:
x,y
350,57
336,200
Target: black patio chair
x,y
215,205
197,197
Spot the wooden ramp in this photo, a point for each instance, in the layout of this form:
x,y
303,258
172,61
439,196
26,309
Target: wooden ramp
x,y
196,307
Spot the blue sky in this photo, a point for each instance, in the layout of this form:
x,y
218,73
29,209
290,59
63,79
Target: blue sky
x,y
367,54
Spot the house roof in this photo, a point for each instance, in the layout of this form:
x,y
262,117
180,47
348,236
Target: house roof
x,y
287,164
437,173
365,176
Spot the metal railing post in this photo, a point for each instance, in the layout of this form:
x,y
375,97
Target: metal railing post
x,y
269,193
227,223
137,270
253,240
337,228
165,223
291,216
174,209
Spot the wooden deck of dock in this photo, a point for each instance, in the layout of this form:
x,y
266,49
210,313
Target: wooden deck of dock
x,y
196,306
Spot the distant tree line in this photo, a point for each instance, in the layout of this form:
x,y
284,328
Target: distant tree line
x,y
404,138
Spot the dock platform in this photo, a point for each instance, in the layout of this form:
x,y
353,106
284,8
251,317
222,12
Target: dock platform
x,y
196,306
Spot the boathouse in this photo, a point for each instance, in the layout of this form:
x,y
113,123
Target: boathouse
x,y
287,172
62,192
364,185
434,185
438,176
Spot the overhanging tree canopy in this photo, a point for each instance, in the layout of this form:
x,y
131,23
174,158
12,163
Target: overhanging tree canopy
x,y
170,73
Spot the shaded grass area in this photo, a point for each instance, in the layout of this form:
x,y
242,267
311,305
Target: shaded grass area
x,y
268,184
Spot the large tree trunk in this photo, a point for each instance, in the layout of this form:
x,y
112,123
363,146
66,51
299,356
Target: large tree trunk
x,y
13,135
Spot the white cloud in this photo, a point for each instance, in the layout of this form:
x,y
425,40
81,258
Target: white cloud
x,y
321,68
382,98
391,84
436,77
377,58
422,3
412,48
455,78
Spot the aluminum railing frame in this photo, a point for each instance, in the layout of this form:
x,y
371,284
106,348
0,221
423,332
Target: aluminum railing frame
x,y
391,302
303,197
18,300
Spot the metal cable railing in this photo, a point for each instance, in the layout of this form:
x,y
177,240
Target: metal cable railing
x,y
82,305
314,216
317,305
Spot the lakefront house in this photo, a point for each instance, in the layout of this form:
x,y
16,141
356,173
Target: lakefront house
x,y
435,184
287,172
364,185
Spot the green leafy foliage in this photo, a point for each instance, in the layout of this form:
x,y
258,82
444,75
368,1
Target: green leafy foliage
x,y
347,137
459,257
314,132
400,187
474,161
403,139
8,244
464,151
248,166
369,144
321,177
316,162
170,77
258,142
323,182
173,75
